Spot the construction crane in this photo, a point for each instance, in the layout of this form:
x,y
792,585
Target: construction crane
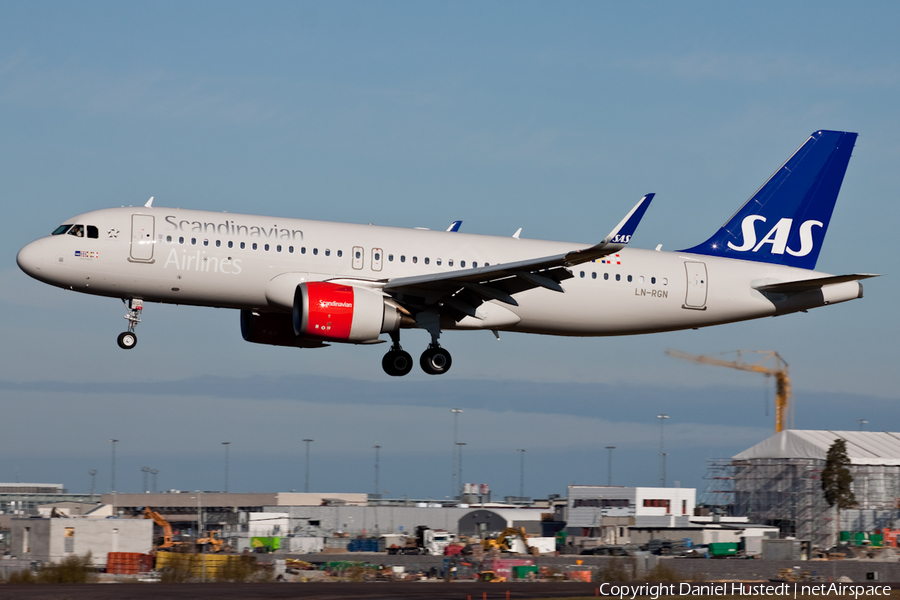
x,y
769,363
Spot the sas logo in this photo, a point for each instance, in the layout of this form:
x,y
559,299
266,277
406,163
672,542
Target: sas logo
x,y
85,254
621,239
777,236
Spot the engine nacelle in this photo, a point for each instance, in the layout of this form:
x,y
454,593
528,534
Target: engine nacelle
x,y
274,329
342,313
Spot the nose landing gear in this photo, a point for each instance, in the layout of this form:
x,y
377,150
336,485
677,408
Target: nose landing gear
x,y
128,339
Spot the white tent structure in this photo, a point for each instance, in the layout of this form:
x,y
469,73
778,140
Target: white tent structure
x,y
778,482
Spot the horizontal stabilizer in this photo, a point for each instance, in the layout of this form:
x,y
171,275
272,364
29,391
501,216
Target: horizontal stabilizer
x,y
803,285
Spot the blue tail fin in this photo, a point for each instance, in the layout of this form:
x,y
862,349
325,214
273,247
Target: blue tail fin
x,y
785,221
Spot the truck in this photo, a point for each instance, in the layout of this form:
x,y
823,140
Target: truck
x,y
425,541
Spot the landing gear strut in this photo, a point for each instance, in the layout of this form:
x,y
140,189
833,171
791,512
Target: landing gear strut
x,y
397,362
128,340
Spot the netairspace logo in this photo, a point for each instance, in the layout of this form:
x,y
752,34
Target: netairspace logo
x,y
784,590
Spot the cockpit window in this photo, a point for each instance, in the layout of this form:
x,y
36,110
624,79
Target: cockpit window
x,y
60,230
77,230
93,232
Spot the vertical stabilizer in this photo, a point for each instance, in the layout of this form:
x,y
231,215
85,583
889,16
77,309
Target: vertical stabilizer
x,y
785,221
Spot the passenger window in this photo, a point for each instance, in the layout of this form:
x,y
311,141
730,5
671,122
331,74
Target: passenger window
x,y
302,249
93,232
169,239
266,247
181,240
402,258
426,260
665,281
218,243
629,279
77,230
462,264
231,244
290,249
390,258
474,264
206,242
254,246
60,230
487,264
327,252
340,253
357,255
415,259
315,251
193,241
594,275
278,248
641,279
606,276
653,280
243,245
582,274
618,277
450,263
437,261
378,256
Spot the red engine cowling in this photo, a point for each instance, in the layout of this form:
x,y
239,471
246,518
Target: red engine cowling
x,y
342,313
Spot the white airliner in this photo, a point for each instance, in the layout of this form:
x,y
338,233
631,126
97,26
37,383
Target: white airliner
x,y
308,283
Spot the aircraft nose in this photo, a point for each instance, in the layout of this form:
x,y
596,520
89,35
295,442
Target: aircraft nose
x,y
31,258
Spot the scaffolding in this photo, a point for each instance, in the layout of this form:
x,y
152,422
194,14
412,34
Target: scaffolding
x,y
787,493
719,493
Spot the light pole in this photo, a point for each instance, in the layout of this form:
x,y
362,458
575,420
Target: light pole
x,y
454,469
609,450
662,449
459,449
93,474
144,471
306,484
153,473
113,470
377,486
226,444
521,452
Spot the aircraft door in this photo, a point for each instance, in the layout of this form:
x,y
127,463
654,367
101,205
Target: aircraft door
x,y
358,257
377,253
142,233
695,297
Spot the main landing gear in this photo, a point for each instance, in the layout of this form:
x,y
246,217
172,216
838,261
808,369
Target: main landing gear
x,y
397,362
128,339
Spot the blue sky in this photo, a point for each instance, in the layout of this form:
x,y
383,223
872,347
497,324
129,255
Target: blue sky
x,y
553,117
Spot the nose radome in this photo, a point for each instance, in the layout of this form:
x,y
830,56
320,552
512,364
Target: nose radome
x,y
31,258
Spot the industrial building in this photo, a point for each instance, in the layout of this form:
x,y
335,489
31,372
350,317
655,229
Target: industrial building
x,y
53,539
778,482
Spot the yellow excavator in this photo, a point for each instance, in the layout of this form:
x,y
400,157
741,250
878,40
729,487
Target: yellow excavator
x,y
214,542
504,539
168,542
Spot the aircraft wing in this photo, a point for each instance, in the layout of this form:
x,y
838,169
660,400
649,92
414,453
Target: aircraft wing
x,y
463,291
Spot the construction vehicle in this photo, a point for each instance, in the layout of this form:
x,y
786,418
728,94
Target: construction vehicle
x,y
508,541
216,544
779,371
167,539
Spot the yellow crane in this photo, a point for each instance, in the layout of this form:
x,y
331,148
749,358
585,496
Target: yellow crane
x,y
769,363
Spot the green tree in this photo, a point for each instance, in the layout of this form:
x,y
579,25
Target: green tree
x,y
837,480
836,477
